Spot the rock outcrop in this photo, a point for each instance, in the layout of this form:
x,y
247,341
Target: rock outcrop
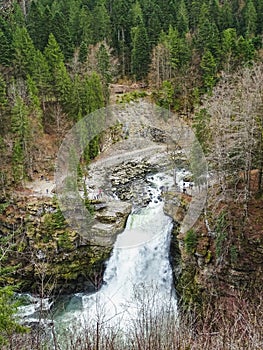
x,y
221,256
44,251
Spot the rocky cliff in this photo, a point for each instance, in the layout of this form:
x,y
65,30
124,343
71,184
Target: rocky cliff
x,y
221,256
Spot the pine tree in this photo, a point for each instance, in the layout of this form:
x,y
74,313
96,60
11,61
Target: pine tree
x,y
140,57
85,26
41,76
38,24
3,106
8,310
21,130
35,109
178,48
209,68
122,33
59,78
5,50
83,52
94,93
136,14
100,22
24,52
226,16
60,30
229,49
182,20
152,19
245,50
250,19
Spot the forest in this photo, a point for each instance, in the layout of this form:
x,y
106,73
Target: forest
x,y
202,60
58,58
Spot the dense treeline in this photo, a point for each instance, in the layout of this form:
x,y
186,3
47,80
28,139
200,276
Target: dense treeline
x,y
57,58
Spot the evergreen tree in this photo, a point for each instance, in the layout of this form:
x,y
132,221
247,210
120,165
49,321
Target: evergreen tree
x,y
140,58
3,106
60,30
34,105
122,32
59,78
8,309
229,49
85,26
94,93
6,38
24,52
136,14
83,52
152,19
182,20
250,19
245,50
194,10
38,24
21,130
226,16
41,75
73,21
76,99
209,68
100,22
214,11
178,48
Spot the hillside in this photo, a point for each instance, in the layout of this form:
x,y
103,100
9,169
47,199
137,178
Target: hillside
x,y
201,61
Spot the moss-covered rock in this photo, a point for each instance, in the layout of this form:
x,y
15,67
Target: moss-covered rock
x,y
43,252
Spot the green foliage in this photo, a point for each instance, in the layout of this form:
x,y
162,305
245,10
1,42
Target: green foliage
x,y
83,52
5,49
64,241
54,221
250,19
140,56
60,30
209,68
221,235
20,127
24,52
131,96
220,241
58,75
190,241
233,254
8,323
100,22
201,127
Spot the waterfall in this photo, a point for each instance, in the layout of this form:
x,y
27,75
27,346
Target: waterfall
x,y
138,272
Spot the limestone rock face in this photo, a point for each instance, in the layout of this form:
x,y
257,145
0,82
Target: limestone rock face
x,y
110,221
221,255
44,247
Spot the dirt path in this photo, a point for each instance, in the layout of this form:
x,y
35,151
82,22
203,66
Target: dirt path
x,y
41,188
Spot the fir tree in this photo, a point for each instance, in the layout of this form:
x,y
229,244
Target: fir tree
x,y
59,78
209,68
250,19
100,22
140,58
60,30
21,130
24,52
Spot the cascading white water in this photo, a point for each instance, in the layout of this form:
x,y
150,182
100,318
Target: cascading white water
x,y
138,272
